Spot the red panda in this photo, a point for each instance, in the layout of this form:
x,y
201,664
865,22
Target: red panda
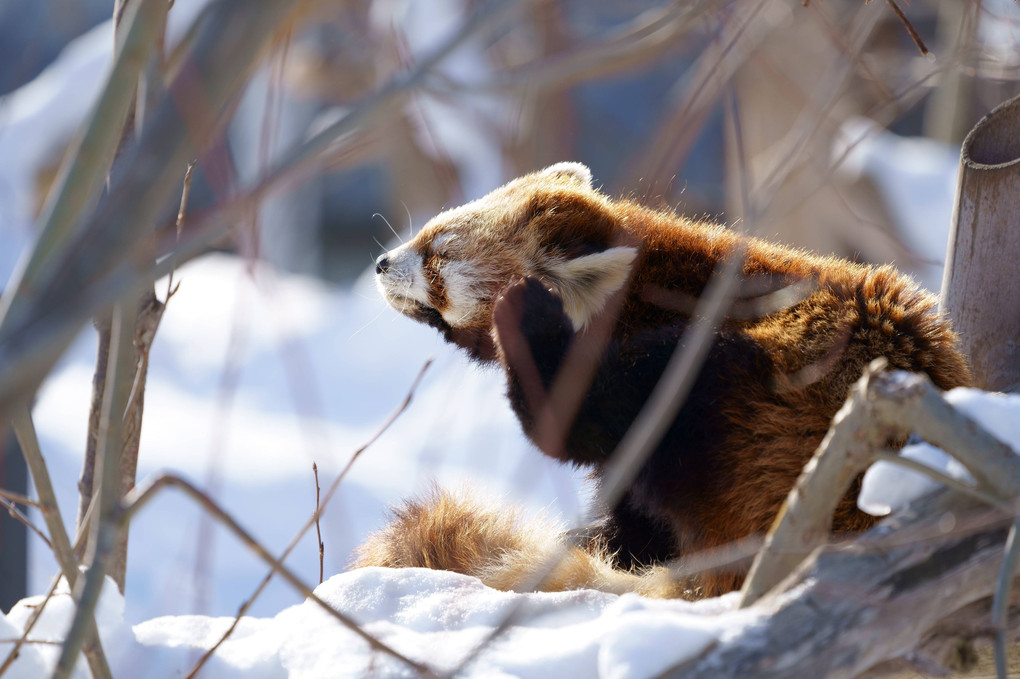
x,y
582,299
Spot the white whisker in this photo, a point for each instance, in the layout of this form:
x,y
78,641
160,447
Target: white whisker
x,y
355,334
410,222
387,222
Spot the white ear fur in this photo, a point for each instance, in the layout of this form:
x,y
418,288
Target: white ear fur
x,y
576,171
585,283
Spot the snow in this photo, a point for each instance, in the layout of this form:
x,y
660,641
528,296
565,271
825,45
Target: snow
x,y
888,487
433,617
256,374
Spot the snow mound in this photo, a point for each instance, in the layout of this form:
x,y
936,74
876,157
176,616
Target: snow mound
x,y
433,617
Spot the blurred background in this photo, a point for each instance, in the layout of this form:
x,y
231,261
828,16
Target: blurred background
x,y
278,351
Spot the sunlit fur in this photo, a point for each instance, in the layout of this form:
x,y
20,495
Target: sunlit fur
x,y
547,254
500,545
467,255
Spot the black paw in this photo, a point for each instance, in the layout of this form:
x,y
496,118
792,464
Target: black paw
x,y
532,311
531,329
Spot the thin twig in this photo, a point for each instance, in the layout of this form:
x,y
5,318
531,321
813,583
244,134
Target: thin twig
x,y
315,518
914,35
32,619
171,289
16,514
28,440
1003,592
318,533
37,614
103,536
733,554
19,498
141,495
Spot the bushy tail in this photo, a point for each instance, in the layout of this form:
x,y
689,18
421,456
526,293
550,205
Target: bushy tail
x,y
500,546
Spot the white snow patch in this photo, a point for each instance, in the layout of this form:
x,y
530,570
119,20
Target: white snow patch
x,y
434,617
888,487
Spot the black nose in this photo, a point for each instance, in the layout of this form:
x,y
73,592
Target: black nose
x,y
382,264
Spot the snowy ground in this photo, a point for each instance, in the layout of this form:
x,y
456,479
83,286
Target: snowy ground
x,y
256,375
430,616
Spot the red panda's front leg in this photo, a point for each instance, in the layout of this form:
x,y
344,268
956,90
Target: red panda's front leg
x,y
534,336
683,492
557,400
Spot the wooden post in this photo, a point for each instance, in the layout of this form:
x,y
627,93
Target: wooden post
x,y
981,284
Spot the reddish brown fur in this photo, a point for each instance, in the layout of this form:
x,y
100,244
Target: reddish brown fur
x,y
817,345
457,532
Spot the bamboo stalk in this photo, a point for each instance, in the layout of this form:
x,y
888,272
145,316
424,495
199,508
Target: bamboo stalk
x,y
979,290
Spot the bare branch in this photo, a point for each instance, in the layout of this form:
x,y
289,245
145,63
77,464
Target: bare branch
x,y
103,535
882,407
315,518
24,430
18,498
16,514
921,47
318,533
12,655
140,496
189,116
943,479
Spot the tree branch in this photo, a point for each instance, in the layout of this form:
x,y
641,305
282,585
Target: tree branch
x,y
24,431
319,509
895,592
882,407
140,496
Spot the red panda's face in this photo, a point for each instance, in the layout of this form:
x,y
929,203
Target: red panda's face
x,y
550,225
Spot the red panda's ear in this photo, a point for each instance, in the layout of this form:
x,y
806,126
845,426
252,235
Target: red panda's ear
x,y
586,283
575,172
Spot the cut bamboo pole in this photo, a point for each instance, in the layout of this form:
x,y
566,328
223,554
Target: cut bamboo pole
x,y
979,288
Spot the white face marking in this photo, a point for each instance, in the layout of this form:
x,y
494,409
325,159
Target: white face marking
x,y
460,293
403,281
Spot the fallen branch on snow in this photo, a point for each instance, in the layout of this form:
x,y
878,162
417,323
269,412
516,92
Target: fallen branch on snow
x,y
915,590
